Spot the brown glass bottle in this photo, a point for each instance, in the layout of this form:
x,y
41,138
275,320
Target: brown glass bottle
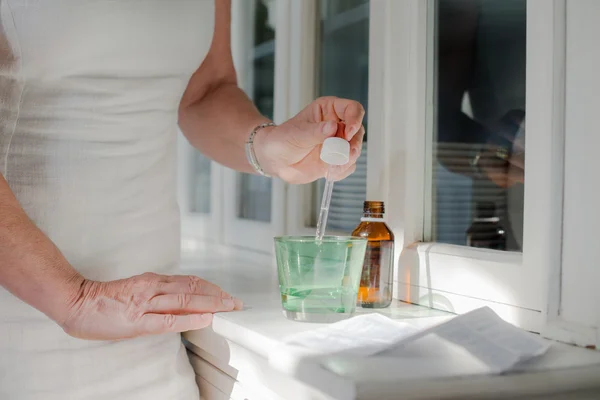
x,y
376,281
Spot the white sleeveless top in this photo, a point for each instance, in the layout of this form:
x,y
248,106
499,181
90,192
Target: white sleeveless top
x,y
89,91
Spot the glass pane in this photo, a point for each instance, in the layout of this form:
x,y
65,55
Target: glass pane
x,y
336,7
255,191
255,203
200,196
344,72
479,136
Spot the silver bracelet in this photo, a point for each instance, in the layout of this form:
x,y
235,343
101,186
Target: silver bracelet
x,y
251,154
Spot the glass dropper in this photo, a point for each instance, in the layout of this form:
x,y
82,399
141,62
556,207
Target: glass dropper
x,y
325,201
335,151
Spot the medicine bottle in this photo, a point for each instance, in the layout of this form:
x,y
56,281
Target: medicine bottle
x,y
376,280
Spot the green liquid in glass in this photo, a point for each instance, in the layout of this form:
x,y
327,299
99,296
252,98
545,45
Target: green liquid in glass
x,y
332,299
319,280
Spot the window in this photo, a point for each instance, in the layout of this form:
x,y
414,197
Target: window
x,y
461,71
254,192
200,185
343,71
478,138
340,65
250,217
452,89
200,197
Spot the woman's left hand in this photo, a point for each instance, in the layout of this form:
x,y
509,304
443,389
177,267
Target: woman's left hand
x,y
291,151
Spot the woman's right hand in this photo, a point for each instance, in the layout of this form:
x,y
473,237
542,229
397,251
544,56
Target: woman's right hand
x,y
143,305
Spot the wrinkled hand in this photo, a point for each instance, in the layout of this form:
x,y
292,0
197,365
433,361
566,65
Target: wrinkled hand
x,y
291,151
144,304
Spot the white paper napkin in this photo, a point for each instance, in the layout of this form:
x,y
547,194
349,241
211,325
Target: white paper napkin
x,y
480,335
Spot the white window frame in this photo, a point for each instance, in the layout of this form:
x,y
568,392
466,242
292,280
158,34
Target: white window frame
x,y
458,278
573,313
198,228
239,232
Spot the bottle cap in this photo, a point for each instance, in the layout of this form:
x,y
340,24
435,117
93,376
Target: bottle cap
x,y
335,151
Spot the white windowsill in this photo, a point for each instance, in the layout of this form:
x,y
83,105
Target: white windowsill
x,y
238,344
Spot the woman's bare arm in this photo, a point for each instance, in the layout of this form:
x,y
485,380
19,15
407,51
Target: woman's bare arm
x,y
215,114
34,270
217,117
31,266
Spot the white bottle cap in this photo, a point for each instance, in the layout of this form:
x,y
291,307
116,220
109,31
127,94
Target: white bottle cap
x,y
335,151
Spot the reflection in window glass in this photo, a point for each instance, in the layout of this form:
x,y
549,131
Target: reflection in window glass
x,y
200,201
337,7
344,72
255,191
479,135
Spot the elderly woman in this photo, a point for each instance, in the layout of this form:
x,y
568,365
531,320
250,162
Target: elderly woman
x,y
91,92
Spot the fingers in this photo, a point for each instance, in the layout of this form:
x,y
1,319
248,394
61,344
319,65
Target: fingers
x,y
349,111
326,129
190,293
312,168
326,117
348,169
356,145
323,130
343,172
353,117
182,303
163,323
191,285
305,137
